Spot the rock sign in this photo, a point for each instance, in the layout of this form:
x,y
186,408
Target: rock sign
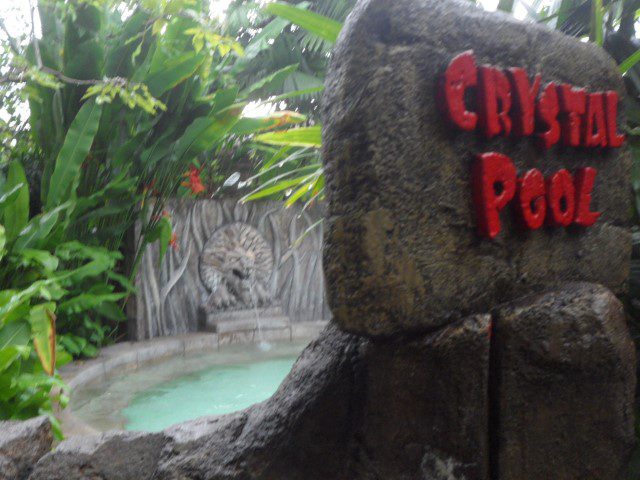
x,y
470,159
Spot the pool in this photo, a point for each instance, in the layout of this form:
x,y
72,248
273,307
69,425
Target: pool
x,y
182,388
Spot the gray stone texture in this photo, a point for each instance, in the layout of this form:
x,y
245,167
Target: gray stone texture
x,y
425,405
171,294
401,250
108,456
22,443
563,386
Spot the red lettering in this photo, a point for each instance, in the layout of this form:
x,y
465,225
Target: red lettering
x,y
595,127
573,103
585,178
531,203
547,113
460,75
614,139
494,95
561,199
503,94
494,185
524,101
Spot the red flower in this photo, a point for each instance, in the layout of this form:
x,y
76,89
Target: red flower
x,y
195,183
165,214
174,241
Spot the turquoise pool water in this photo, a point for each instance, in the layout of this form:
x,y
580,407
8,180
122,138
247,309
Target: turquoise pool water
x,y
182,388
217,390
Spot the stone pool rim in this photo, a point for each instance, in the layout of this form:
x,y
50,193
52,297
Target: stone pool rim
x,y
129,356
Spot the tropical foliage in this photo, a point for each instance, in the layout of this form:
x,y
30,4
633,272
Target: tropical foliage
x,y
40,282
130,103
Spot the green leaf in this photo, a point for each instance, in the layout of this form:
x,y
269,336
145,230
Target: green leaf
x,y
319,25
101,260
75,149
506,5
282,185
38,229
10,354
276,77
566,8
9,196
173,73
597,15
296,93
306,187
161,232
16,212
14,333
296,137
3,241
261,41
203,134
43,332
629,62
30,257
87,301
223,99
248,126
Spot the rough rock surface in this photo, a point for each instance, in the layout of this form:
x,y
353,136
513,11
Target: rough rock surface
x,y
401,250
113,455
22,443
563,386
425,405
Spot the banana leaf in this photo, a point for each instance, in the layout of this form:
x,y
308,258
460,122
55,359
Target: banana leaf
x,y
16,209
66,174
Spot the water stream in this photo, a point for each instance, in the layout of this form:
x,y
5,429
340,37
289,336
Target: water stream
x,y
262,342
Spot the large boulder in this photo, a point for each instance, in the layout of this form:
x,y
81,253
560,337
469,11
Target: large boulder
x,y
563,386
402,251
22,444
425,405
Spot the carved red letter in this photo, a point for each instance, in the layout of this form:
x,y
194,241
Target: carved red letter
x,y
531,203
614,139
494,185
461,74
595,127
524,101
561,199
494,101
585,178
547,112
573,103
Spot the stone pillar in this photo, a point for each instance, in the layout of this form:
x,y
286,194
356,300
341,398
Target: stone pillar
x,y
562,386
425,405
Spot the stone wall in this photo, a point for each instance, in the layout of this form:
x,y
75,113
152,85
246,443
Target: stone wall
x,y
171,294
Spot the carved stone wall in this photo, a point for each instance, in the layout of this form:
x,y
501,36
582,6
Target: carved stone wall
x,y
229,257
